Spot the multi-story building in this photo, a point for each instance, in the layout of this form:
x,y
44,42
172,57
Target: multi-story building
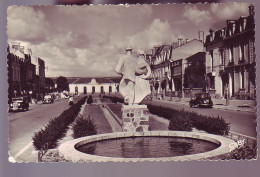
x,y
231,51
23,72
169,62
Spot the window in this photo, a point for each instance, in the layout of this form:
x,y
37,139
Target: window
x,y
212,58
241,52
221,57
242,80
231,57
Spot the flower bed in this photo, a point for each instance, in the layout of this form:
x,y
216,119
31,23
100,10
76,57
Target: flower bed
x,y
47,138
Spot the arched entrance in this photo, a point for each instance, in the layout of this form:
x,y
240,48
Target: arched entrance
x,y
110,89
101,89
93,89
85,90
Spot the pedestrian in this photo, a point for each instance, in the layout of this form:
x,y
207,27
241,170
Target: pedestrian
x,y
71,100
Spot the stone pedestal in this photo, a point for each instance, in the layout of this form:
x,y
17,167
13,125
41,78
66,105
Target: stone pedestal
x,y
135,118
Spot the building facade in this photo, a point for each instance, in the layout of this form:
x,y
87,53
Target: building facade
x,y
168,64
22,72
231,52
94,85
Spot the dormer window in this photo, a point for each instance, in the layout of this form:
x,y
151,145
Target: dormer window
x,y
230,32
244,24
233,28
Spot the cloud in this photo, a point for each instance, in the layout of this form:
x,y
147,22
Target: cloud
x,y
24,23
229,10
158,32
87,40
196,16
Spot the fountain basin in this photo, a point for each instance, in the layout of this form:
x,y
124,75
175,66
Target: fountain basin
x,y
68,150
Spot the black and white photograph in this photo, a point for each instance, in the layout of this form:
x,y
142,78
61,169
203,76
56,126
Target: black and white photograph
x,y
131,83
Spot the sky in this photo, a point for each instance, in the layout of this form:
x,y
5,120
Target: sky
x,y
87,41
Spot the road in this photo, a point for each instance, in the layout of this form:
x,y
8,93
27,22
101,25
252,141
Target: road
x,y
23,125
241,122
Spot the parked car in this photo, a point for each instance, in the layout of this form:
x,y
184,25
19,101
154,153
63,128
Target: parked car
x,y
201,100
48,99
19,103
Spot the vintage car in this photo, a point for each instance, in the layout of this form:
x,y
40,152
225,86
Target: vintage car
x,y
19,103
201,100
48,99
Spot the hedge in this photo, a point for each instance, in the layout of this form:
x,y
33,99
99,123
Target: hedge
x,y
184,120
47,138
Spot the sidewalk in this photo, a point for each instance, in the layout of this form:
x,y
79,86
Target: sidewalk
x,y
235,105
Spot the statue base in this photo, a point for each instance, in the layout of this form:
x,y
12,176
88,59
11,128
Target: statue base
x,y
135,118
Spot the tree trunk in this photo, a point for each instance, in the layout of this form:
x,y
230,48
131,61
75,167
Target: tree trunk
x,y
227,99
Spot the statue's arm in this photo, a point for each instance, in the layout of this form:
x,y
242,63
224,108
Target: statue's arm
x,y
119,66
148,72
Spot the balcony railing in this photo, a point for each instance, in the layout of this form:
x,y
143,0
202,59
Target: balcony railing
x,y
209,69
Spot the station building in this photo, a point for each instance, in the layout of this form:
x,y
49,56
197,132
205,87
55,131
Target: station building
x,y
92,85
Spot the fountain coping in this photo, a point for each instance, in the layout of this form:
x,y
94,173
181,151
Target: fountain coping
x,y
69,152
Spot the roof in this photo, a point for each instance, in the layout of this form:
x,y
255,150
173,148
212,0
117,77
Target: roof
x,y
86,80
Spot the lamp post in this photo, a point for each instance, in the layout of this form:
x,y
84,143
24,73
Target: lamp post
x,y
30,93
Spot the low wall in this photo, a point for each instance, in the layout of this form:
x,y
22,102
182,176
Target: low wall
x,y
67,150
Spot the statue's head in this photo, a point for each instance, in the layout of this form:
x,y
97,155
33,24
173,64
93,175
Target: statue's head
x,y
129,50
140,53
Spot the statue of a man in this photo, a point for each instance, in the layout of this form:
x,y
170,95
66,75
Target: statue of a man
x,y
133,85
126,68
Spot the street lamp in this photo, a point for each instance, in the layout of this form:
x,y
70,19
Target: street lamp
x,y
30,93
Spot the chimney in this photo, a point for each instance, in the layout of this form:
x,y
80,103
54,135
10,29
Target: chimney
x,y
21,48
179,41
251,10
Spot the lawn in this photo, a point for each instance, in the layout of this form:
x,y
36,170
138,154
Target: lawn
x,y
99,119
116,109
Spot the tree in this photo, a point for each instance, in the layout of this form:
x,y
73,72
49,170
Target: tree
x,y
49,82
225,79
163,86
62,84
156,87
170,87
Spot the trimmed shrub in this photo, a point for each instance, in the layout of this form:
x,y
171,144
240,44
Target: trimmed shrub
x,y
182,120
243,153
56,129
84,127
180,123
90,100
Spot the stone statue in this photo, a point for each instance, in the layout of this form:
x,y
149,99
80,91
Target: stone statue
x,y
133,86
142,72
